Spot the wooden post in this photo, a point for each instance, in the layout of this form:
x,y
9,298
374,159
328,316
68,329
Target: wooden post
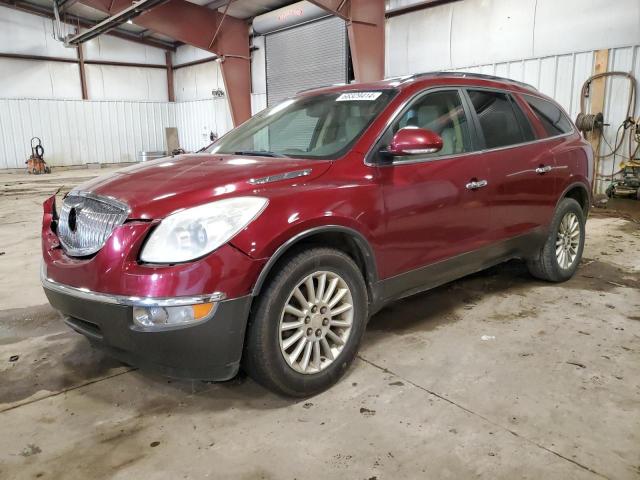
x,y
596,93
83,76
170,90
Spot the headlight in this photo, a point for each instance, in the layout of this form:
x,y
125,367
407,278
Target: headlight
x,y
196,231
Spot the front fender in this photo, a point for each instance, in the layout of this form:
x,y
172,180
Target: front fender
x,y
362,243
352,209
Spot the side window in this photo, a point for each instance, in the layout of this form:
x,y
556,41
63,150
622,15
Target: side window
x,y
441,112
523,121
552,119
498,119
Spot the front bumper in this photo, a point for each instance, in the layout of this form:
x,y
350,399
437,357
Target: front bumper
x,y
208,350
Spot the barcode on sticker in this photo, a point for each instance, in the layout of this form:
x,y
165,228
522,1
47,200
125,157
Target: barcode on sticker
x,y
358,96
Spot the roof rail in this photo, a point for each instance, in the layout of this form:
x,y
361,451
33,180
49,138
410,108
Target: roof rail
x,y
468,75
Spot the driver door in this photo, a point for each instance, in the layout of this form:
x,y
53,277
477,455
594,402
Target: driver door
x,y
433,211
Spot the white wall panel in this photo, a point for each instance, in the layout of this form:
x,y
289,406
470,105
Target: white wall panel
x,y
39,79
258,102
188,53
428,28
75,132
196,119
109,48
490,31
106,82
579,25
198,81
28,34
479,32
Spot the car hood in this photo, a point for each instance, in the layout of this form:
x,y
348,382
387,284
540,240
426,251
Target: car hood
x,y
156,189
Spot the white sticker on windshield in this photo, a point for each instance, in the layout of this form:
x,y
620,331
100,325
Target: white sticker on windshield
x,y
358,96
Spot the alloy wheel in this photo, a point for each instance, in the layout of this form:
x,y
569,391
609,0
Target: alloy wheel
x,y
316,322
568,240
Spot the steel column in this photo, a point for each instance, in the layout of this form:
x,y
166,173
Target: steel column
x,y
366,39
83,76
365,24
170,90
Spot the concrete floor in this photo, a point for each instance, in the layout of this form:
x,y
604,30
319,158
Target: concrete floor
x,y
493,376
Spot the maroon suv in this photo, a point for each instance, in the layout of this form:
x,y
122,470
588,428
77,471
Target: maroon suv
x,y
273,248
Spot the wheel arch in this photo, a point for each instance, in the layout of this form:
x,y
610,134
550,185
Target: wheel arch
x,y
579,192
345,239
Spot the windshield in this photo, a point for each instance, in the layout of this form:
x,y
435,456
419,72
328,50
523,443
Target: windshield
x,y
318,126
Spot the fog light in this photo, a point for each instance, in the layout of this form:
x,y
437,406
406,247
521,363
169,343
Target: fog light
x,y
170,316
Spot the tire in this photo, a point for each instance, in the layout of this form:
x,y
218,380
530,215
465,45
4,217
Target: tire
x,y
267,343
546,264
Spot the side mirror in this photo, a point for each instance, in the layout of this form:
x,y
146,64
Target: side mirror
x,y
414,141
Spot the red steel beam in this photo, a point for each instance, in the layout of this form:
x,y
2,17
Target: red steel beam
x,y
366,37
197,25
365,25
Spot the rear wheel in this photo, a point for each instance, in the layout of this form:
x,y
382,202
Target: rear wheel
x,y
558,259
306,326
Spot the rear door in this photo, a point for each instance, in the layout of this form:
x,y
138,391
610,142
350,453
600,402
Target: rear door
x,y
555,128
431,214
521,170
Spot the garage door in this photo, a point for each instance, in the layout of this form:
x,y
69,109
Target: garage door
x,y
306,56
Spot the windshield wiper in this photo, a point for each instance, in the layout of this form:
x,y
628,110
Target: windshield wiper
x,y
259,153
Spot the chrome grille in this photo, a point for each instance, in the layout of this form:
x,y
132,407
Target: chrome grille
x,y
87,221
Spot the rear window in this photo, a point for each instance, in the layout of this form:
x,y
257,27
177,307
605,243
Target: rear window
x,y
554,121
499,120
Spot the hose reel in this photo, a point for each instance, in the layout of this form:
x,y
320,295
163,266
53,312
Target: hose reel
x,y
588,122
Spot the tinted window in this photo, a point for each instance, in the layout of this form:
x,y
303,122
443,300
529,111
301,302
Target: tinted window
x,y
523,122
551,117
498,120
442,113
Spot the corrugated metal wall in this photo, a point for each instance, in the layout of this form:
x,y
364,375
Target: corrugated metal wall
x,y
75,132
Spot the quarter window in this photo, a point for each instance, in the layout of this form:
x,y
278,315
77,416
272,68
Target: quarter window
x,y
553,120
498,119
441,112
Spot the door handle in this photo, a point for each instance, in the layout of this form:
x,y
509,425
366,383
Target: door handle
x,y
476,184
543,170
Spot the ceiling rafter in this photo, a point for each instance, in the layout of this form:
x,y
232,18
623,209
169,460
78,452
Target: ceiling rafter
x,y
77,21
204,28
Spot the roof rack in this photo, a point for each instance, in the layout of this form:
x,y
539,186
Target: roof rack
x,y
467,75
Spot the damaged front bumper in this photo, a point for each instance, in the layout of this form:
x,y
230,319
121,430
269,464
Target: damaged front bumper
x,y
209,349
105,298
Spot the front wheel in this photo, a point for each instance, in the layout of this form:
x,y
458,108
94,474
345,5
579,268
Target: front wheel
x,y
558,259
306,326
